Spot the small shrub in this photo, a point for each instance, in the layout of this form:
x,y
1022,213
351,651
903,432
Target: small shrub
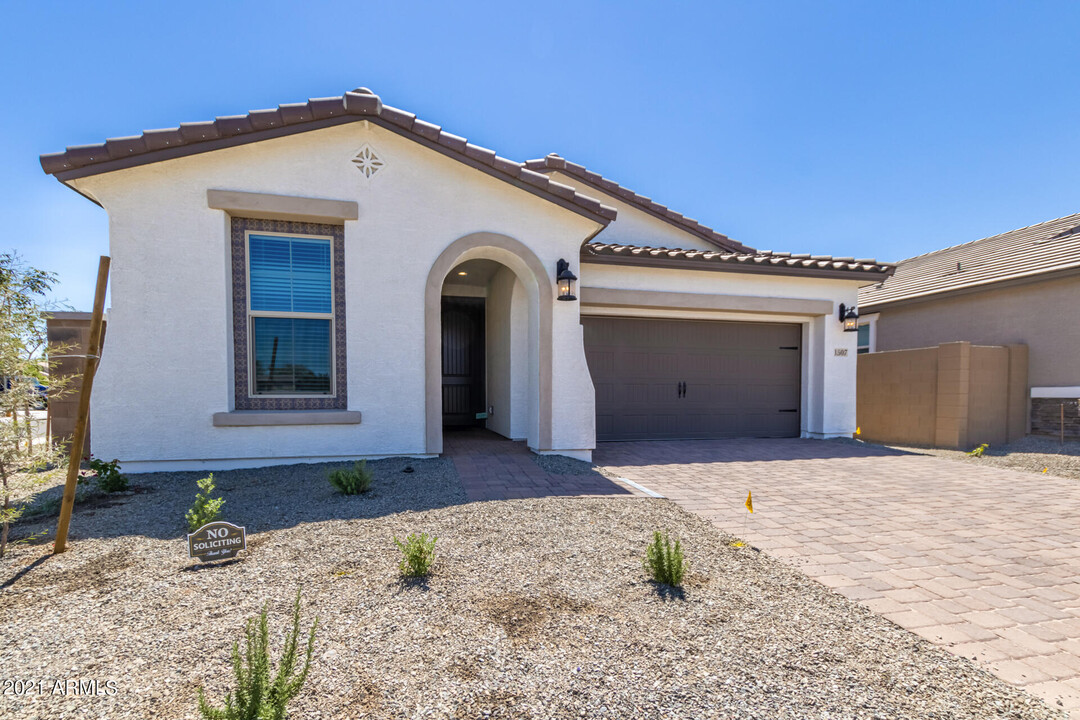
x,y
257,696
665,562
352,482
206,509
108,475
978,452
418,554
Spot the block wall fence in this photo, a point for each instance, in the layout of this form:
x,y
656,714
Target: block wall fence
x,y
956,395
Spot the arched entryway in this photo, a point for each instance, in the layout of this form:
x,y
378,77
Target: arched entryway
x,y
513,286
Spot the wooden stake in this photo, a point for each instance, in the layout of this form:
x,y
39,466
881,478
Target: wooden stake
x,y
78,440
1062,423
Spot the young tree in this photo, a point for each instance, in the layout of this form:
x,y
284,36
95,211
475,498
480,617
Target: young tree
x,y
24,370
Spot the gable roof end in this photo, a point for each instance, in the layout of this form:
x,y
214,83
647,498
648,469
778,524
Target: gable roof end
x,y
554,162
359,104
1048,248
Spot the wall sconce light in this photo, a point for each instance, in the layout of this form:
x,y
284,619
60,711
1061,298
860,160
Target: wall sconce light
x,y
565,281
850,317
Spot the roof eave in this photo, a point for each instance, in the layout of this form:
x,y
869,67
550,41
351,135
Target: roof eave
x,y
224,132
871,277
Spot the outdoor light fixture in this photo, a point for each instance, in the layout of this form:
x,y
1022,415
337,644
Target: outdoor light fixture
x,y
565,280
850,317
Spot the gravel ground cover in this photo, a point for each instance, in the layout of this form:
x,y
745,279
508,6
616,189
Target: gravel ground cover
x,y
1032,453
562,465
537,609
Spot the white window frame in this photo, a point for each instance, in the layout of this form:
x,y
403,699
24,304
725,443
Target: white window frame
x,y
312,316
871,321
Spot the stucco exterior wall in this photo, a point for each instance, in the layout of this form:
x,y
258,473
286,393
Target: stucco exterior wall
x,y
828,353
507,349
1031,314
634,226
167,367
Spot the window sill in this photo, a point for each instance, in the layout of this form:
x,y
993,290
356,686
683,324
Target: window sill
x,y
250,418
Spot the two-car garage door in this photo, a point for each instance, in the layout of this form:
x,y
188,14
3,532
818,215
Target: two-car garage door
x,y
681,379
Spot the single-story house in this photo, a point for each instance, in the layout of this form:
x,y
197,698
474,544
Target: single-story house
x,y
339,279
1020,287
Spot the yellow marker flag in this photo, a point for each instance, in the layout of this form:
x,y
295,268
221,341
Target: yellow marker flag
x,y
749,501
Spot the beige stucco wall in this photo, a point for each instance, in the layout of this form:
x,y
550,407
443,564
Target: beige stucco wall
x,y
1036,314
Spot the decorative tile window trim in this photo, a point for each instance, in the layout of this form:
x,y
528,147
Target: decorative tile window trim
x,y
242,333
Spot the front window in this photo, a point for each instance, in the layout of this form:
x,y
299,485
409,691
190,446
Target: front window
x,y
291,315
864,338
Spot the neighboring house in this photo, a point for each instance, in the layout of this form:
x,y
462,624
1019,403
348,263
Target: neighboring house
x,y
1020,287
339,279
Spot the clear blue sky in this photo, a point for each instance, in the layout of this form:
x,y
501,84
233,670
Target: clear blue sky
x,y
882,129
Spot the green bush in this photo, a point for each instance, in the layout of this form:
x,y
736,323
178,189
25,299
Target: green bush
x,y
418,554
206,509
257,696
665,562
108,475
352,482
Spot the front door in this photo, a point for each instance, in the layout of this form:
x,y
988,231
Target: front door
x,y
463,397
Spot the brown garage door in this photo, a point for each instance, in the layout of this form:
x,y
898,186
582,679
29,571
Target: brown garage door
x,y
672,379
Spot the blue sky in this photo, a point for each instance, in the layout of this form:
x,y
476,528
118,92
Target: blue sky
x,y
847,128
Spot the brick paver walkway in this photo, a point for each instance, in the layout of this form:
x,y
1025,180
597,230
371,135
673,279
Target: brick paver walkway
x,y
983,561
494,468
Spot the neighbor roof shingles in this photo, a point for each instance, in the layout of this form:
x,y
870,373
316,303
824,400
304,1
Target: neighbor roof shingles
x,y
554,162
189,138
1048,247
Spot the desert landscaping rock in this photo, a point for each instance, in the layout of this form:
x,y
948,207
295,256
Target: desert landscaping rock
x,y
562,465
536,609
1032,453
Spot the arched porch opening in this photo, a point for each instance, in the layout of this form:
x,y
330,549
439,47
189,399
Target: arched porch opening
x,y
491,292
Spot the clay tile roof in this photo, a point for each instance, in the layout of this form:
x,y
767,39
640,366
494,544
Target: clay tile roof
x,y
1049,247
555,162
750,261
359,104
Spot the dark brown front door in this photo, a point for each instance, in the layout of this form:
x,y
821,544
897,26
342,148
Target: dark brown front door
x,y
462,361
685,379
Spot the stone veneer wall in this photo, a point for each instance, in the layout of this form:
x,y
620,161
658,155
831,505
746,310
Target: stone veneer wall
x,y
1046,417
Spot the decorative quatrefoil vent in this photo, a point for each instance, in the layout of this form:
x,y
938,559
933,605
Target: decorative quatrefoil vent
x,y
368,162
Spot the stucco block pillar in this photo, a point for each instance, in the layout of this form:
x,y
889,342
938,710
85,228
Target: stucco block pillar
x,y
1018,415
953,394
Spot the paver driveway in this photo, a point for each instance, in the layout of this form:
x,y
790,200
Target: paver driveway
x,y
981,560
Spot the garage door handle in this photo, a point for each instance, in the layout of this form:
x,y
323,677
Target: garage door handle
x,y
791,410
681,390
